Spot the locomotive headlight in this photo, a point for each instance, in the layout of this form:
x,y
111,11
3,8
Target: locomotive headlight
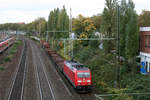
x,y
79,81
88,80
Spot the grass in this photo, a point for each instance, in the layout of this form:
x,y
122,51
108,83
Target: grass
x,y
1,68
13,49
11,52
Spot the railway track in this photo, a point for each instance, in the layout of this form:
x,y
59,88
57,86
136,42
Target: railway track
x,y
59,89
48,83
44,85
16,91
88,96
68,86
74,94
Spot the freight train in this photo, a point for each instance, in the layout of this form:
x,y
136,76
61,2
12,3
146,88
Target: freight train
x,y
78,75
5,43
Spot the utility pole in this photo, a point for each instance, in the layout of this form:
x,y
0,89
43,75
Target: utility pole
x,y
47,32
70,32
70,25
118,47
39,29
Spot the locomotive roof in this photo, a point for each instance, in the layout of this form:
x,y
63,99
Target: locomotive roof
x,y
77,65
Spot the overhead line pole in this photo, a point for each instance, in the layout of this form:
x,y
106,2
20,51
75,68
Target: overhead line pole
x,y
47,32
118,46
70,31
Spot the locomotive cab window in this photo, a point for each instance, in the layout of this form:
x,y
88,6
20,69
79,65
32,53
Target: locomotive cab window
x,y
83,74
68,64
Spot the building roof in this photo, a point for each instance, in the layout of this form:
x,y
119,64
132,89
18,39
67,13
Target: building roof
x,y
144,28
20,23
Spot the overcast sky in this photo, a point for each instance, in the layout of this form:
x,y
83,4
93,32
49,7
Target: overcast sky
x,y
28,10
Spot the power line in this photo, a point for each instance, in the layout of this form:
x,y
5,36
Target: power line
x,y
57,31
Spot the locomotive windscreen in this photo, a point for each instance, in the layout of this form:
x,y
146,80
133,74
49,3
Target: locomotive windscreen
x,y
83,74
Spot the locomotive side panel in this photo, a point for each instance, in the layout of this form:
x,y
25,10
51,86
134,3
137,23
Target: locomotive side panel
x,y
69,74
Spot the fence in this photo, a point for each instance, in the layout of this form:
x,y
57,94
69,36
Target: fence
x,y
123,96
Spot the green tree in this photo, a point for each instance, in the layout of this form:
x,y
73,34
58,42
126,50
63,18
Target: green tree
x,y
63,22
51,21
58,21
97,21
38,26
144,18
77,26
108,23
123,22
83,27
132,33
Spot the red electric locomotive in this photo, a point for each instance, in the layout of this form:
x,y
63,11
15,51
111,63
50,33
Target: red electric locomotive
x,y
78,75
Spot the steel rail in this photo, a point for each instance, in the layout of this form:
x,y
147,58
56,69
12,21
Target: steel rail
x,y
22,91
49,82
14,79
61,80
37,76
24,76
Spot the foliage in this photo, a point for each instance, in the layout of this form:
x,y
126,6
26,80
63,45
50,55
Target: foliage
x,y
12,26
129,37
129,30
58,21
108,18
122,95
83,26
102,76
144,18
136,83
94,43
77,26
12,51
97,21
38,26
128,27
108,23
132,38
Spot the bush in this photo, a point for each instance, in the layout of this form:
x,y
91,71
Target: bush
x,y
7,58
137,83
103,66
121,94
